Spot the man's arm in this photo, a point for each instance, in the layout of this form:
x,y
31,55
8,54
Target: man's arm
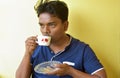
x,y
78,74
25,69
65,69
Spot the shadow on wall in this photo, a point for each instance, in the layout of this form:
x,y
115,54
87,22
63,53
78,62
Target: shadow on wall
x,y
108,65
111,73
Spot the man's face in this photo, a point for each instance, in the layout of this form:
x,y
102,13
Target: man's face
x,y
52,26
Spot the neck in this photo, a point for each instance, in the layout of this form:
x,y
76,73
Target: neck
x,y
61,41
60,45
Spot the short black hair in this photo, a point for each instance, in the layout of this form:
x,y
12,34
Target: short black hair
x,y
56,8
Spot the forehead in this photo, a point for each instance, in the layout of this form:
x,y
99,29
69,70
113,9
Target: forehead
x,y
46,17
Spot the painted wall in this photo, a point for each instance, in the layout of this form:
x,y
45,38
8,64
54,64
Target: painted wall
x,y
96,22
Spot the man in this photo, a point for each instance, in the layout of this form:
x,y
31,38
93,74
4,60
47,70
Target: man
x,y
81,60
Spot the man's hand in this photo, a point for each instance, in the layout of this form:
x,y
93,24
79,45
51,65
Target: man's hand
x,y
31,44
63,69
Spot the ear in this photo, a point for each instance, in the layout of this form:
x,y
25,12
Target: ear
x,y
66,23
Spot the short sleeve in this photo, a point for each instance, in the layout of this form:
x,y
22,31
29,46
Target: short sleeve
x,y
34,56
91,62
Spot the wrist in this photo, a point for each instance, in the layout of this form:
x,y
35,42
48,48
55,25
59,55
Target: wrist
x,y
70,71
73,72
29,54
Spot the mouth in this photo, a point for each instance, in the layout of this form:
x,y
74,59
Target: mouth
x,y
46,34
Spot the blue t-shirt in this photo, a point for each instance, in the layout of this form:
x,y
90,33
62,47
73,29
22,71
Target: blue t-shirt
x,y
79,54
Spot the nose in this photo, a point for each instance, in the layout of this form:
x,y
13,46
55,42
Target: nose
x,y
45,30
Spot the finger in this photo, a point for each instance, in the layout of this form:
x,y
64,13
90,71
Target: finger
x,y
51,73
31,44
60,65
30,41
32,38
57,73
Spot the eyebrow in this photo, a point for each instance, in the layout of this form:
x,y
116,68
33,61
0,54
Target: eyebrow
x,y
48,23
51,23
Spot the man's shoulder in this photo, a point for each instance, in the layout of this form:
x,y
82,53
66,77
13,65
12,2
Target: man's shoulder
x,y
77,41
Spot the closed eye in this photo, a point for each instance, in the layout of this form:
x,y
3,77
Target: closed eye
x,y
52,24
41,25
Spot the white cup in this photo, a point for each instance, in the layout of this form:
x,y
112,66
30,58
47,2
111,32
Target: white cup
x,y
43,40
